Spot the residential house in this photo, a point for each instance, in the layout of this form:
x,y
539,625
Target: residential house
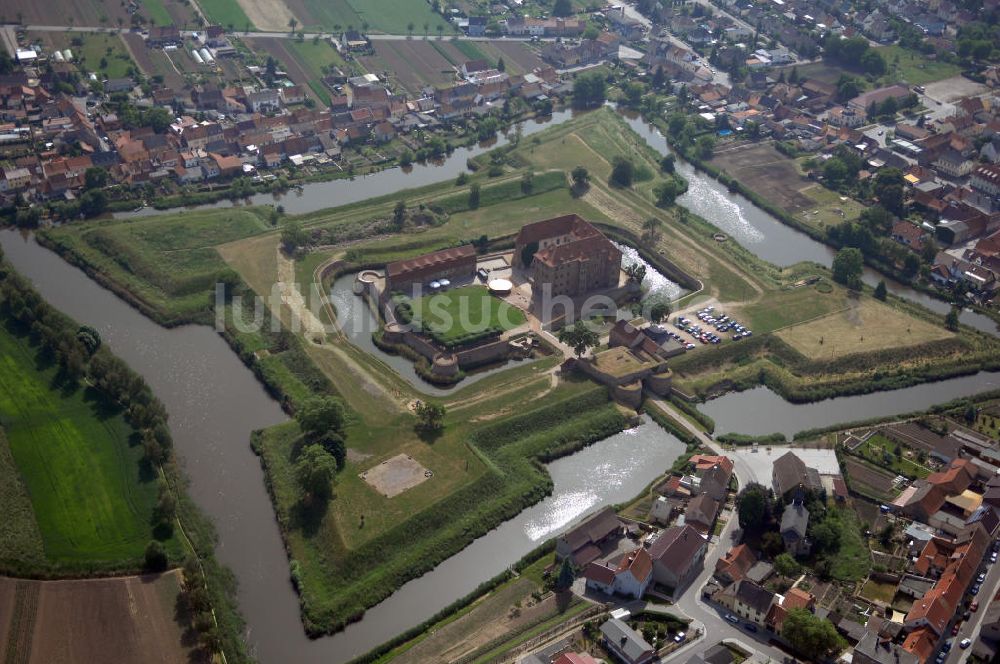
x,y
748,600
678,554
477,26
794,524
790,473
953,163
625,644
163,35
264,101
864,100
384,132
701,512
874,648
986,178
292,94
583,542
352,40
735,564
630,577
908,234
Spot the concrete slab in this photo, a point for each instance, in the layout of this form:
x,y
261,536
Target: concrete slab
x,y
762,461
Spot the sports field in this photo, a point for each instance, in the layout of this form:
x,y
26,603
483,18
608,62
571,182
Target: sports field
x,y
92,499
453,316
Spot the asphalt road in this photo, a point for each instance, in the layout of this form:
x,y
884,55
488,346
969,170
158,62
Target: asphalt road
x,y
970,629
690,602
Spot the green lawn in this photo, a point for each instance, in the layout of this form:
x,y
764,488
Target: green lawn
x,y
98,52
913,67
93,499
783,308
852,561
454,316
882,452
226,13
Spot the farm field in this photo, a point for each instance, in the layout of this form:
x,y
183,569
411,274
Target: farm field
x,y
412,64
876,482
157,62
92,497
451,315
518,56
71,12
227,13
301,61
863,326
763,169
127,620
20,540
98,52
386,16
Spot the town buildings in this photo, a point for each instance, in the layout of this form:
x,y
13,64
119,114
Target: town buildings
x,y
567,256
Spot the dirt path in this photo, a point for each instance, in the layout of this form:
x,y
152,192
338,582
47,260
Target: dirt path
x,y
303,319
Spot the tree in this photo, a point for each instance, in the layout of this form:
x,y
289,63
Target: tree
x,y
293,236
562,8
314,471
668,163
667,191
155,557
564,581
93,202
291,24
430,417
399,214
636,272
89,337
951,320
786,565
474,196
808,633
501,65
320,415
527,182
589,90
409,28
848,87
705,146
579,337
752,507
826,537
622,172
888,189
95,177
659,311
651,228
847,267
581,177
880,291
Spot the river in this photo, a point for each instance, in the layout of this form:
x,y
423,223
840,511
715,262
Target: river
x,y
215,402
760,411
321,195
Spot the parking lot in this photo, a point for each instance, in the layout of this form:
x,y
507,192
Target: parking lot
x,y
761,462
705,326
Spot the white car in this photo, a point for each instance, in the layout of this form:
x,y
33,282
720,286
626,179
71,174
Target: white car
x,y
965,643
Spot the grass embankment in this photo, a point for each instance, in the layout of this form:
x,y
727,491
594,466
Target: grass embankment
x,y
91,494
346,567
165,265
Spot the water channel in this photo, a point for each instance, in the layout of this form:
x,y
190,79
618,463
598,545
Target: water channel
x,y
215,402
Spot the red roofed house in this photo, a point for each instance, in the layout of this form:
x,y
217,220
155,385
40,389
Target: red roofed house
x,y
631,577
956,478
567,254
735,564
677,556
909,234
575,658
454,262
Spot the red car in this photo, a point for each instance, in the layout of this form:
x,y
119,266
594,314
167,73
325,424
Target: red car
x,y
974,606
954,630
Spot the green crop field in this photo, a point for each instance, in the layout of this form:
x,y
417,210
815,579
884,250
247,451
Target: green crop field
x,y
20,541
226,12
450,317
389,16
92,498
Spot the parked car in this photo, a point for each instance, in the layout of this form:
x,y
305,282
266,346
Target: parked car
x,y
954,630
965,643
974,606
731,618
750,627
679,637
